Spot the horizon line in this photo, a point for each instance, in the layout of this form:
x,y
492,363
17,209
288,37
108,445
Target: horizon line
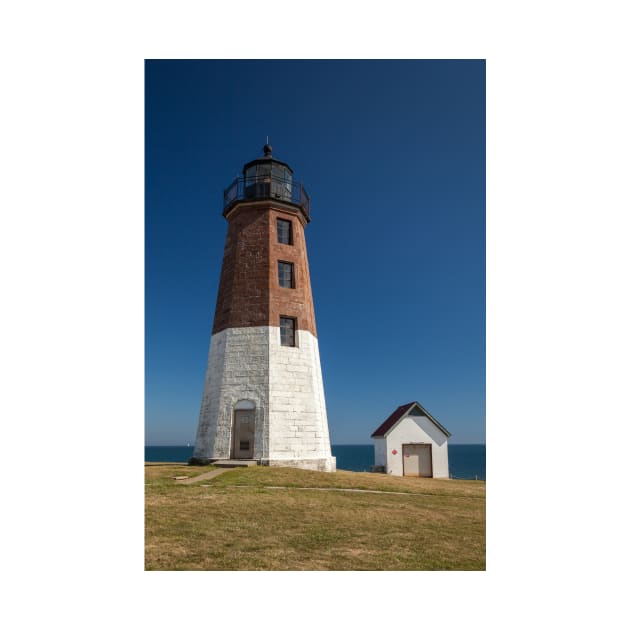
x,y
332,444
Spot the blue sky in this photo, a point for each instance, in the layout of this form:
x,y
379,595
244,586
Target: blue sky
x,y
392,154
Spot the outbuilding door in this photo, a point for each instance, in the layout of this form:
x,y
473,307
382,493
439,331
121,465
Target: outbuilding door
x,y
243,435
417,460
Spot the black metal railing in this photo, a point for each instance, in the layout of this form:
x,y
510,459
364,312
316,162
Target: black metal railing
x,y
267,187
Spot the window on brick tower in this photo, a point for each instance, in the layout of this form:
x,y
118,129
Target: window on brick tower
x,y
284,232
287,331
285,275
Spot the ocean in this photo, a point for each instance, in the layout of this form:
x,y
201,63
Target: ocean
x,y
466,461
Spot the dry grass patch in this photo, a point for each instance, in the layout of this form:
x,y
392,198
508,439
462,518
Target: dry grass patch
x,y
261,476
223,527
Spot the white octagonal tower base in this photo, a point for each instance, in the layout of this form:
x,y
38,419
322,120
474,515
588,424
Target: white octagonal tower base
x,y
283,384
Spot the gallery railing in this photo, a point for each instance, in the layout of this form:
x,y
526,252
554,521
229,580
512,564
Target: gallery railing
x,y
267,187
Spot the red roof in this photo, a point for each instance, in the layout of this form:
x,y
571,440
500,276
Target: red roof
x,y
392,420
402,411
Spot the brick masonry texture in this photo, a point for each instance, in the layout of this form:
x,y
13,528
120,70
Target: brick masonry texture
x,y
284,383
249,291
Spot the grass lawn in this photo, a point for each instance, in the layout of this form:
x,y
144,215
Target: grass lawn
x,y
261,518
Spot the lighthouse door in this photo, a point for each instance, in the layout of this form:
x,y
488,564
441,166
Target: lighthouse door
x,y
243,434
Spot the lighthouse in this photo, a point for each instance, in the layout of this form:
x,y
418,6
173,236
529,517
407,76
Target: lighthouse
x,y
263,397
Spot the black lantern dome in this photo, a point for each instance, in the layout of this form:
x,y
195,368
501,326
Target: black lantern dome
x,y
268,159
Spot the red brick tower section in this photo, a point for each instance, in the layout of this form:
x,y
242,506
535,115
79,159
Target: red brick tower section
x,y
249,289
263,396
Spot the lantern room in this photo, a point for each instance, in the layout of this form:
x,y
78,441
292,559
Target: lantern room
x,y
267,178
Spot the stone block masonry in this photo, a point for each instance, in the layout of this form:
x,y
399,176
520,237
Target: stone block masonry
x,y
233,352
285,386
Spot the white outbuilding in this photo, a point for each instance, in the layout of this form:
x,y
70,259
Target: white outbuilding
x,y
411,442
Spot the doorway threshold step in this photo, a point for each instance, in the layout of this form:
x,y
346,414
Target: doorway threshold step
x,y
234,463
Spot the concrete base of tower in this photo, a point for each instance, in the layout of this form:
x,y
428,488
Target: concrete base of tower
x,y
200,461
322,464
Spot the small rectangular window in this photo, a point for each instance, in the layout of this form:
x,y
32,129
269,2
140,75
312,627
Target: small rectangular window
x,y
287,331
286,277
244,445
284,232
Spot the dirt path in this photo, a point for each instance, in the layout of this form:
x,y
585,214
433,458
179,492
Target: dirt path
x,y
213,473
209,475
407,494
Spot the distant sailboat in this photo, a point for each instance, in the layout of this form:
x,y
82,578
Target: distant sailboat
x,y
187,443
